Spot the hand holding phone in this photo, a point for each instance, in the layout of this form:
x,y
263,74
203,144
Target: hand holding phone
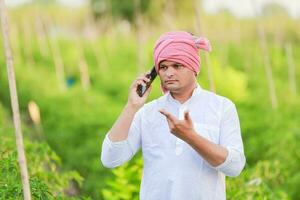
x,y
141,89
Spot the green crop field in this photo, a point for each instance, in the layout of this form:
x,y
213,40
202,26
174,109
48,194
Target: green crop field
x,y
77,69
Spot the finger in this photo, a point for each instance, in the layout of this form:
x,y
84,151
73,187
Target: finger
x,y
142,75
138,82
168,115
148,91
170,123
135,82
162,111
187,116
144,78
141,82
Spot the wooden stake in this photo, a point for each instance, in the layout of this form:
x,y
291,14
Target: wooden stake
x,y
291,68
83,68
27,42
14,103
40,36
58,62
139,36
207,61
100,58
15,42
168,14
267,62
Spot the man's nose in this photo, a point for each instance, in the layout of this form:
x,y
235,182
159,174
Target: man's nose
x,y
170,72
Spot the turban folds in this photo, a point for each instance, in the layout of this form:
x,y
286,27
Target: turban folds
x,y
181,47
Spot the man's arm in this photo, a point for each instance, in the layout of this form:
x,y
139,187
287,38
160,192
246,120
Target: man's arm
x,y
230,160
214,154
183,129
227,157
122,140
119,130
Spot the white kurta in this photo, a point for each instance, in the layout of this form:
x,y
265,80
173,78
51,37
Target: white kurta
x,y
173,170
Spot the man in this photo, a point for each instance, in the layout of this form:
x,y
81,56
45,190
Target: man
x,y
190,137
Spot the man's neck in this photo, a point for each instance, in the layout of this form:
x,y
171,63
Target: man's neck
x,y
183,95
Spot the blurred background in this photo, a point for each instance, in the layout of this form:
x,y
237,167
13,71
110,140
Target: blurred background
x,y
75,60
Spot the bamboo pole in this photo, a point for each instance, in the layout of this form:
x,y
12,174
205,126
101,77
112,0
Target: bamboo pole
x,y
42,29
58,62
169,14
100,58
224,52
15,42
199,31
224,55
291,68
97,56
43,47
139,36
248,62
14,104
267,61
83,68
27,42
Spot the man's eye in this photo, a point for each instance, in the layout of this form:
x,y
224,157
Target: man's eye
x,y
177,66
163,67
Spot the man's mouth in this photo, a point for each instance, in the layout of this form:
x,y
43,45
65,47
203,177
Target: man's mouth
x,y
170,81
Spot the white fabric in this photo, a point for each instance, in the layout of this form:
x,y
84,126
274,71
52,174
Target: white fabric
x,y
173,170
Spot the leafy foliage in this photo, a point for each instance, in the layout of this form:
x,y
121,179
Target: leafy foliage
x,y
63,152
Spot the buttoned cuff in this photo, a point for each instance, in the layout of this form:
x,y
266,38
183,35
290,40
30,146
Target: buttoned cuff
x,y
233,164
223,165
115,153
114,144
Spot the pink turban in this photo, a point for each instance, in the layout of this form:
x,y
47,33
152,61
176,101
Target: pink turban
x,y
181,47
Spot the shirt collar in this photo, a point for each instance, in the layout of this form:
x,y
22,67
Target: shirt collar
x,y
196,92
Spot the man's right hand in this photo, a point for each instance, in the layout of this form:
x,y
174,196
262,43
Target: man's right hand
x,y
133,98
120,129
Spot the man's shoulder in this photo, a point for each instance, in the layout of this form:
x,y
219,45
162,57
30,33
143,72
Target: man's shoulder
x,y
216,98
212,96
154,103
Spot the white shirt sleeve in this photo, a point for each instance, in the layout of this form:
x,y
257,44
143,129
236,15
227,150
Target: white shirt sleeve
x,y
230,138
114,154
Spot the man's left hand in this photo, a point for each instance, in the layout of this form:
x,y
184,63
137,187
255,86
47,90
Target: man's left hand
x,y
180,128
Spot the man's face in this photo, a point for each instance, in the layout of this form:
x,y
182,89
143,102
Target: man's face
x,y
175,77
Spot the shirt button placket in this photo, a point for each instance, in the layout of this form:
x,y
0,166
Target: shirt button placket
x,y
179,142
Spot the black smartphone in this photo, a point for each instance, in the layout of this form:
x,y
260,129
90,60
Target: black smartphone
x,y
141,89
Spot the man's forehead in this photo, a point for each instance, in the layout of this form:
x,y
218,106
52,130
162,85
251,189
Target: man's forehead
x,y
169,62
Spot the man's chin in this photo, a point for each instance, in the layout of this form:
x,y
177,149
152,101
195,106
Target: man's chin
x,y
172,88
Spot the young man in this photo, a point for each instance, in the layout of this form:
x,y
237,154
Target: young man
x,y
190,137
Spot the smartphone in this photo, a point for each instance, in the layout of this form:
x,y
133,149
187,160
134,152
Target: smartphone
x,y
141,89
